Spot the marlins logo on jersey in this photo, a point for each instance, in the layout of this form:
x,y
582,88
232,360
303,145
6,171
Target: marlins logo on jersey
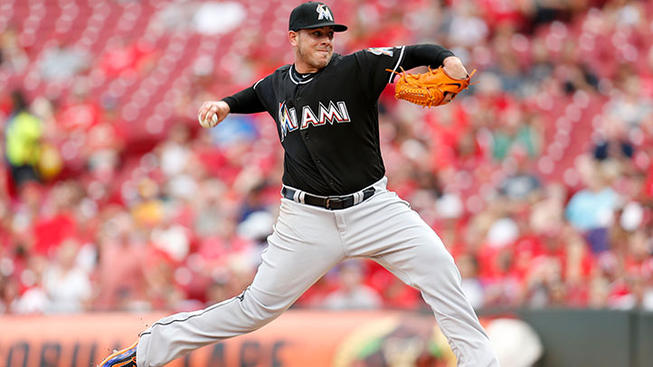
x,y
323,13
287,119
334,112
381,51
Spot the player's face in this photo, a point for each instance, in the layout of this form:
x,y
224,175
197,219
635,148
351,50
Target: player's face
x,y
313,48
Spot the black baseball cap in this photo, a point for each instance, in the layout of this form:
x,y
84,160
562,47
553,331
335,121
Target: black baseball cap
x,y
313,15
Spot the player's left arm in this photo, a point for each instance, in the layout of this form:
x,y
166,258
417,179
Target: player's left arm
x,y
434,56
378,66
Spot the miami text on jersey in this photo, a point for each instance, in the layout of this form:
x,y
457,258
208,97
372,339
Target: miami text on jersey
x,y
288,117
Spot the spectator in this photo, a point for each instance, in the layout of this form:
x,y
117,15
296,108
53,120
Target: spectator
x,y
544,285
8,295
62,62
13,57
464,27
352,293
66,284
125,60
591,210
629,104
612,142
517,130
33,297
472,286
122,253
522,184
22,141
547,214
542,66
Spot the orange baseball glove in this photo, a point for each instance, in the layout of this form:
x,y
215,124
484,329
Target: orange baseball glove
x,y
430,88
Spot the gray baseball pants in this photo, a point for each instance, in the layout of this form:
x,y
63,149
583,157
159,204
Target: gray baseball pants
x,y
306,243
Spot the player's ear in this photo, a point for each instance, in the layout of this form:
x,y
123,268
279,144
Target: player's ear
x,y
292,37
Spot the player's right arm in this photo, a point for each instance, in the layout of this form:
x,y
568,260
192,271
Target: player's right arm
x,y
211,113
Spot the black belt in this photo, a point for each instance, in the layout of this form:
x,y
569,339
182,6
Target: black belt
x,y
328,202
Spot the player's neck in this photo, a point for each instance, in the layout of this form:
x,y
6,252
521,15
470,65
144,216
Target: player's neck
x,y
304,68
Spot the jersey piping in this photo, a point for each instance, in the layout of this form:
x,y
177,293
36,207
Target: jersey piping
x,y
293,79
257,83
401,56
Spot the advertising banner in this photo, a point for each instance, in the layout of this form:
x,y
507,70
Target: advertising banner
x,y
296,339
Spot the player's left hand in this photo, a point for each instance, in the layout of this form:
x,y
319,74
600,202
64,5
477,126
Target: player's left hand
x,y
454,67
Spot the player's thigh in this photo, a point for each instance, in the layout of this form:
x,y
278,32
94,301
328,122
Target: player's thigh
x,y
412,250
296,256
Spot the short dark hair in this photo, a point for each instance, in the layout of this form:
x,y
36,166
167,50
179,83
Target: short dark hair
x,y
18,99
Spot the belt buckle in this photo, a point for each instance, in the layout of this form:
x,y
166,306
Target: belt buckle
x,y
332,200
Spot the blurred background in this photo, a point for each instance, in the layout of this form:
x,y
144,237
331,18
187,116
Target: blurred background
x,y
539,179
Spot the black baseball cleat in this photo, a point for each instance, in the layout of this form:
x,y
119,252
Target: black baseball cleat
x,y
121,358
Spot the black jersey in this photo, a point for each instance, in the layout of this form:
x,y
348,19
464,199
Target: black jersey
x,y
328,121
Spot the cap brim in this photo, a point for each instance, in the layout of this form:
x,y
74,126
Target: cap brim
x,y
336,27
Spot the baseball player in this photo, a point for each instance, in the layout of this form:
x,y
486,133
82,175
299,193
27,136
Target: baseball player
x,y
335,204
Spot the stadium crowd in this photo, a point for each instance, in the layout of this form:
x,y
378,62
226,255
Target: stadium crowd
x,y
539,180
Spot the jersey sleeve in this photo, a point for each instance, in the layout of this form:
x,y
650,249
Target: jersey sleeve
x,y
245,101
378,65
374,63
424,55
257,98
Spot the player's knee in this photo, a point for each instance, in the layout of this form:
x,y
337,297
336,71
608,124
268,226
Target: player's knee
x,y
435,252
257,312
436,261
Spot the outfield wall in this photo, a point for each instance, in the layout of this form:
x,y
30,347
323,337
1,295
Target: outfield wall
x,y
574,338
593,337
296,339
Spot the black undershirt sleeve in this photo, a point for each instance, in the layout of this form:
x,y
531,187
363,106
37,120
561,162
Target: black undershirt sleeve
x,y
423,55
245,101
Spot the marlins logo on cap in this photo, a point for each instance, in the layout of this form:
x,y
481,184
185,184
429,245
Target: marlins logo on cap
x,y
304,17
323,12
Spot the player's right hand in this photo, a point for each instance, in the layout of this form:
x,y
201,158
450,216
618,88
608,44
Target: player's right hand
x,y
212,113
